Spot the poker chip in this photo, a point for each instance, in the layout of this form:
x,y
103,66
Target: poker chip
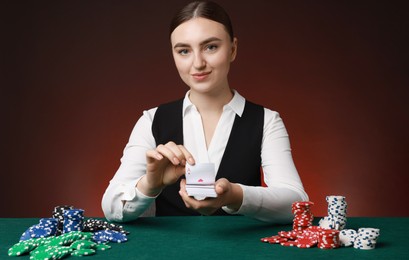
x,y
22,248
290,234
73,220
83,252
303,216
50,252
328,239
347,237
289,243
337,213
58,214
306,242
46,227
83,244
366,238
274,239
66,233
103,247
93,225
109,236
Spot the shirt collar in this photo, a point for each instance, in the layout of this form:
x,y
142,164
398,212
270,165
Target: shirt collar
x,y
236,104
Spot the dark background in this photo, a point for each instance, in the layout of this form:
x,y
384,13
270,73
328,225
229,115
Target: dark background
x,y
76,76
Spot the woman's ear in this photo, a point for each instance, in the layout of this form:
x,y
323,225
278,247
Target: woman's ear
x,y
233,49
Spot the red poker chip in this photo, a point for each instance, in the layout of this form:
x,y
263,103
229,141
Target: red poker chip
x,y
298,204
308,236
315,228
289,234
264,239
329,231
306,242
306,245
299,228
278,241
274,239
289,243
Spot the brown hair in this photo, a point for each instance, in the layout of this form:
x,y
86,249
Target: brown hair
x,y
205,9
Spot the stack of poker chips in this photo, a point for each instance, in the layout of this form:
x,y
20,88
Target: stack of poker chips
x,y
337,213
73,220
328,239
302,215
366,238
58,214
347,237
46,227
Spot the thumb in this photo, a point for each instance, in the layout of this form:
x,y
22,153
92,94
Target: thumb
x,y
222,186
183,184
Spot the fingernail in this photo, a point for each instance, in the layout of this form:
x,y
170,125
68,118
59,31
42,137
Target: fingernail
x,y
191,161
175,160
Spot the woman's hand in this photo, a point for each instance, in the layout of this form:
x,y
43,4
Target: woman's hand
x,y
228,194
165,165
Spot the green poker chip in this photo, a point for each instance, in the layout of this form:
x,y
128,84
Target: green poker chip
x,y
83,244
103,247
50,252
22,248
83,252
87,235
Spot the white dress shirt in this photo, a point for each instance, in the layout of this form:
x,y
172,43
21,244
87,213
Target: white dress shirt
x,y
271,203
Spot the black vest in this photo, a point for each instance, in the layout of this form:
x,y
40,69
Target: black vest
x,y
241,160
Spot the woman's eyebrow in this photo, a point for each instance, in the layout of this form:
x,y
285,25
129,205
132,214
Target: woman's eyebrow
x,y
211,39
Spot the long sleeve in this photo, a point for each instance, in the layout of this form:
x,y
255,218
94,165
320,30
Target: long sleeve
x,y
122,201
273,203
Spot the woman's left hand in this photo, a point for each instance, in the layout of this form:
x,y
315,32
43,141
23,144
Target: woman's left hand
x,y
228,194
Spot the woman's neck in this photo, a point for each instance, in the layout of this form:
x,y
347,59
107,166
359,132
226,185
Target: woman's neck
x,y
211,102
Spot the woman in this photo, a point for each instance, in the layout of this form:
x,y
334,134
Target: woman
x,y
213,123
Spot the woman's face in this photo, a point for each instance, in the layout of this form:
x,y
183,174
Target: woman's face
x,y
203,50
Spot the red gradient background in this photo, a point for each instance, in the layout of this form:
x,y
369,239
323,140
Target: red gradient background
x,y
76,76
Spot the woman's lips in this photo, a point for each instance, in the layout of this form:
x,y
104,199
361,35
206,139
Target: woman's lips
x,y
201,75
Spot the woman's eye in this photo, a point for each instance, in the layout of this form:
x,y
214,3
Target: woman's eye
x,y
183,52
211,47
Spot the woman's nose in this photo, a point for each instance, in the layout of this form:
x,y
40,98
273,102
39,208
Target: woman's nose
x,y
199,62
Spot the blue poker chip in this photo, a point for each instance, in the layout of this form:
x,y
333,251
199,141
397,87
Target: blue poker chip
x,y
26,235
73,220
109,236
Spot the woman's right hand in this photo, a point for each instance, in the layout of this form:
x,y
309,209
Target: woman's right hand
x,y
164,166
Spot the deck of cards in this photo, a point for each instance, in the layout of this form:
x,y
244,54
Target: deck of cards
x,y
200,180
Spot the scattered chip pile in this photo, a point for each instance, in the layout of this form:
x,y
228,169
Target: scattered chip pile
x,y
330,233
94,225
67,234
337,213
46,227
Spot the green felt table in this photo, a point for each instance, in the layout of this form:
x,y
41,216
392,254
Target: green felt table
x,y
228,237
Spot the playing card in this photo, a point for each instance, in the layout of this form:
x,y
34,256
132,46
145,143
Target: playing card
x,y
200,174
200,179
